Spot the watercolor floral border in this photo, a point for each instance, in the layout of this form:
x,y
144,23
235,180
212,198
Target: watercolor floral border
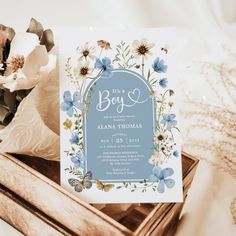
x,y
87,67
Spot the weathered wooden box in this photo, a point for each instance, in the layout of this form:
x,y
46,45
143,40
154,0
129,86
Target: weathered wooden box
x,y
32,200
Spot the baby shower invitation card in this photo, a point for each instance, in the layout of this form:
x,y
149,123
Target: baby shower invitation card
x,y
120,137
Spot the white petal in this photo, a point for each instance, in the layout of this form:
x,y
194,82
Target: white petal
x,y
92,57
135,43
23,44
22,82
86,45
3,80
86,64
6,79
136,54
36,59
147,55
150,45
82,64
144,41
92,49
11,86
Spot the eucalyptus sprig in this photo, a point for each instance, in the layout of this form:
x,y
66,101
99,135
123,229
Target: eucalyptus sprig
x,y
124,57
142,186
74,171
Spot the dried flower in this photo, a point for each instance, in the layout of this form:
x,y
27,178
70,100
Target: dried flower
x,y
86,52
157,157
82,71
142,48
233,210
104,44
215,121
78,159
169,121
28,64
160,67
153,159
67,124
105,66
74,138
161,176
24,61
163,82
17,62
176,153
70,102
160,136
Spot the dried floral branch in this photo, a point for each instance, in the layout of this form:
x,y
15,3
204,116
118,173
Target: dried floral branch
x,y
233,210
218,119
74,171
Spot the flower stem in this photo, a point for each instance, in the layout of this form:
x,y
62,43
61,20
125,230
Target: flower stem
x,y
160,109
82,86
93,78
100,53
142,65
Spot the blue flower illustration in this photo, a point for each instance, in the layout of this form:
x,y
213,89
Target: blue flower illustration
x,y
78,160
74,138
176,153
163,82
104,65
169,121
160,176
159,66
68,104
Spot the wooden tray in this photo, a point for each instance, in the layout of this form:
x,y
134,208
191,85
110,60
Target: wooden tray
x,y
33,202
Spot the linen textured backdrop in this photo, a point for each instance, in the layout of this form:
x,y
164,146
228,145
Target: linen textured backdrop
x,y
206,36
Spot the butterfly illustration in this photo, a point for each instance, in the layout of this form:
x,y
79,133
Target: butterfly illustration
x,y
85,183
104,187
68,103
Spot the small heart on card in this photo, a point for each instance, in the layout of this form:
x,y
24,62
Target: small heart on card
x,y
134,95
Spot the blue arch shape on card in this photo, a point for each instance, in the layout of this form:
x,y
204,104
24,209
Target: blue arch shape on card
x,y
118,142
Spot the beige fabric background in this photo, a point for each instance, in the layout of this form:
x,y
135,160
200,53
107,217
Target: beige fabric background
x,y
203,27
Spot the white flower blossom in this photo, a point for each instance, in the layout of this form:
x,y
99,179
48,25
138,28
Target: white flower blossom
x,y
142,48
28,63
